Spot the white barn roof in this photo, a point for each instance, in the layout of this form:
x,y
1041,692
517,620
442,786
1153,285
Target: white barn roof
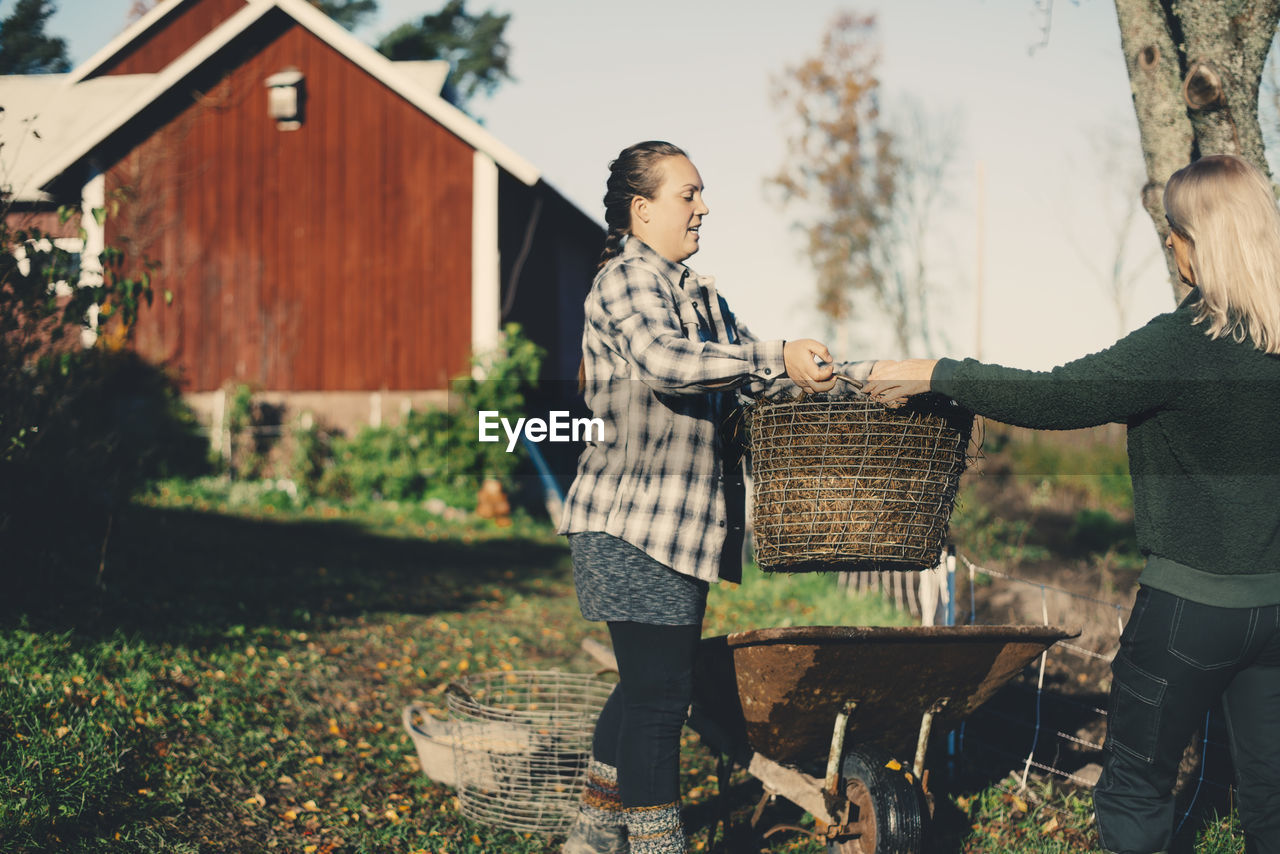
x,y
46,115
80,121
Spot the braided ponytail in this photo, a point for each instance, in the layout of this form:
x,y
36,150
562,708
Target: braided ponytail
x,y
635,172
612,246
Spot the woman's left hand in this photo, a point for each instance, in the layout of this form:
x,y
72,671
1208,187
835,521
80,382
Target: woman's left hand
x,y
804,371
891,383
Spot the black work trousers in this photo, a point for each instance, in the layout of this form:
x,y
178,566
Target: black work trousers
x,y
1178,659
638,731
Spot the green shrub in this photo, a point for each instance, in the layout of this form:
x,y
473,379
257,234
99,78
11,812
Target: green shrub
x,y
312,451
433,453
987,536
102,426
1096,531
1098,470
81,428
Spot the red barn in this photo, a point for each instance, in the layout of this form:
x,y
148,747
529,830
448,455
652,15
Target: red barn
x,y
324,220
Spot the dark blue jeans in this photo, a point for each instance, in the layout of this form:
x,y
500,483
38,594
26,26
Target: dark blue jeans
x,y
1177,659
639,729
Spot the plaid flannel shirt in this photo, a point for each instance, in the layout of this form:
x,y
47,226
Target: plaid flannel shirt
x,y
664,357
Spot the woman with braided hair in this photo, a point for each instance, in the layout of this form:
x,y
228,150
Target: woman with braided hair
x,y
1199,390
656,511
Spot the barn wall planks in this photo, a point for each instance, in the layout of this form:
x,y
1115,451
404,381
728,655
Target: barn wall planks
x,y
333,257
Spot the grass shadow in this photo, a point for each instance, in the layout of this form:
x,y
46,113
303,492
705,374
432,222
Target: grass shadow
x,y
185,576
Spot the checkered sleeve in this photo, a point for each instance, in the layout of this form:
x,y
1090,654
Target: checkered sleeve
x,y
782,386
643,318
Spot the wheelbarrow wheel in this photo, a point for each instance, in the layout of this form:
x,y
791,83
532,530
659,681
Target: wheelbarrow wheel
x,y
884,806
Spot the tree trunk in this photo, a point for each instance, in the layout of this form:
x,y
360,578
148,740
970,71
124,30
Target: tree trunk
x,y
1194,70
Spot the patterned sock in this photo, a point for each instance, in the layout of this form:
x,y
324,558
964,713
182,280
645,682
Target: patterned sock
x,y
601,800
655,830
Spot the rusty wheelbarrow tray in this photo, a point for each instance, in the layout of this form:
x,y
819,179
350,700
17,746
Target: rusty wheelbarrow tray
x,y
784,701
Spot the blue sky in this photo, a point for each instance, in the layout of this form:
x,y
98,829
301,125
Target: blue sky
x,y
593,77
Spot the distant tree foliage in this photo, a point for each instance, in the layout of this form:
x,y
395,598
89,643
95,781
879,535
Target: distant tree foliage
x,y
349,13
24,47
865,191
840,162
473,45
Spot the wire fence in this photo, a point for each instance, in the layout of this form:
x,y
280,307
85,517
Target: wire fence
x,y
1051,722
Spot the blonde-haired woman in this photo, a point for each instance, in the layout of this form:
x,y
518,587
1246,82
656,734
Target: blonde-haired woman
x,y
1199,389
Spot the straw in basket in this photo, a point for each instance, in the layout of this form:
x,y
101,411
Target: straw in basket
x,y
844,483
521,743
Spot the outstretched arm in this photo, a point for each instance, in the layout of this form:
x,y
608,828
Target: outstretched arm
x,y
1138,374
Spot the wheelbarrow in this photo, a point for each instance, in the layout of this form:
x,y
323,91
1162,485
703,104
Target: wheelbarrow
x,y
824,716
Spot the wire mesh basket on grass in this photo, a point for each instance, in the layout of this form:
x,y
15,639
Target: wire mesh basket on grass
x,y
847,484
522,740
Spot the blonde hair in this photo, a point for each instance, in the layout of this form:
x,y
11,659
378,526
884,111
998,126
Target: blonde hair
x,y
1226,209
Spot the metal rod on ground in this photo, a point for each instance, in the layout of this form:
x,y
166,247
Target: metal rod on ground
x,y
1044,656
216,423
950,563
951,584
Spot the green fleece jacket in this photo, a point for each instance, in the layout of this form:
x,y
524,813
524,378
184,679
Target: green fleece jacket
x,y
1203,420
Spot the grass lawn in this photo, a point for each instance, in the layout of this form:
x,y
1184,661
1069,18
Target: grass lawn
x,y
238,687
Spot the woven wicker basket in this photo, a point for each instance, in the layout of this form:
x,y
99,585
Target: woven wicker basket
x,y
846,484
521,743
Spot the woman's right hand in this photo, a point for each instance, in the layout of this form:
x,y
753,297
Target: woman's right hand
x,y
891,383
804,370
